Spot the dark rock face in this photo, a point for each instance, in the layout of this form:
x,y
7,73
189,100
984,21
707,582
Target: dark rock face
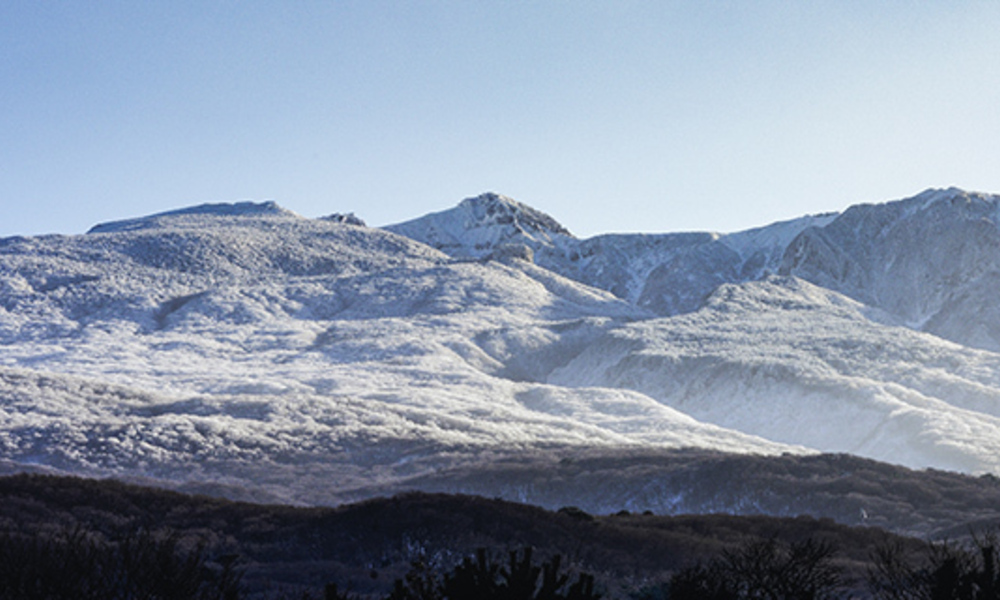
x,y
346,219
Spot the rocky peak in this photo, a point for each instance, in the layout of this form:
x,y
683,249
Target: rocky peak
x,y
494,209
345,219
479,225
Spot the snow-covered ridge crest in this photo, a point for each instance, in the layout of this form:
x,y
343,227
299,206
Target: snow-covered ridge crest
x,y
668,273
217,209
932,260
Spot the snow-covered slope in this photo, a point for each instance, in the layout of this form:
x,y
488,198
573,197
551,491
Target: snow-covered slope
x,y
299,358
933,260
798,364
246,347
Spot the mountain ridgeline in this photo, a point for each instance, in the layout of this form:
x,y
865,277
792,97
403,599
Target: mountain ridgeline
x,y
932,261
244,351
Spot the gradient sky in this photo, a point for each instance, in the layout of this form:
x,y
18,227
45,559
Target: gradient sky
x,y
611,116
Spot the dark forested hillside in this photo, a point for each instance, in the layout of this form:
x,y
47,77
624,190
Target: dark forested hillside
x,y
848,489
365,547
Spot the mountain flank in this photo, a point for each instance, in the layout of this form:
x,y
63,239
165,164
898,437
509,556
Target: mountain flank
x,y
251,352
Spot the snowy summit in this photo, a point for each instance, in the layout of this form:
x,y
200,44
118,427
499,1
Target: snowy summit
x,y
479,225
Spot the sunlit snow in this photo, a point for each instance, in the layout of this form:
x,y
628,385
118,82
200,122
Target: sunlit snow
x,y
245,347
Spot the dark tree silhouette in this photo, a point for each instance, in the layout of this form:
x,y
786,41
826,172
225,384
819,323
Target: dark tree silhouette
x,y
484,577
761,569
138,565
949,572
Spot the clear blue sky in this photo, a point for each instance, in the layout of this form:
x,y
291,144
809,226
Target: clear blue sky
x,y
611,116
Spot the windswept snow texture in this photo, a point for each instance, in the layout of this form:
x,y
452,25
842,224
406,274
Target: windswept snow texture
x,y
246,349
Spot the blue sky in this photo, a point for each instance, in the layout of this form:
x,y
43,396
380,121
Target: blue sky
x,y
611,116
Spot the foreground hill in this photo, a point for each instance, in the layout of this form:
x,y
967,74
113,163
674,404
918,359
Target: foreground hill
x,y
365,547
247,351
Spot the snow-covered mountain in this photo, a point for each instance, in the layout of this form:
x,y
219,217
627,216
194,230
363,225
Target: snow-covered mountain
x,y
667,273
799,364
479,226
246,349
932,260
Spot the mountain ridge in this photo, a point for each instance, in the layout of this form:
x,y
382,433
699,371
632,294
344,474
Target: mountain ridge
x,y
246,347
246,208
674,273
